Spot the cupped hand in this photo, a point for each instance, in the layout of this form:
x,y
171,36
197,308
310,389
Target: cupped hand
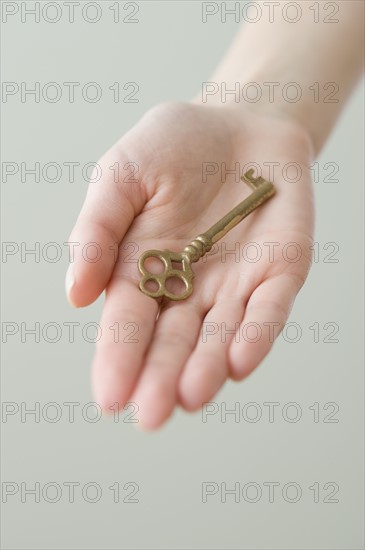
x,y
163,183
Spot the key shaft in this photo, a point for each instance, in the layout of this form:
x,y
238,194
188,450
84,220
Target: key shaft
x,y
262,190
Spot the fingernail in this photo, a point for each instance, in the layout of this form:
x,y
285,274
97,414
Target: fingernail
x,y
69,283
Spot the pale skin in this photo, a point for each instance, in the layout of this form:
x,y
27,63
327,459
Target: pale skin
x,y
172,364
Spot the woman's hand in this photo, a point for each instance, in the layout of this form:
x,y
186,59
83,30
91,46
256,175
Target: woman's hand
x,y
173,360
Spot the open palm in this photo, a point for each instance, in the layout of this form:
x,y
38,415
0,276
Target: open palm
x,y
161,354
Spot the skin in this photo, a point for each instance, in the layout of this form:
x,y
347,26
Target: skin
x,y
172,364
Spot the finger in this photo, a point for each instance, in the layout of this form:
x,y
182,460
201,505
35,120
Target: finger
x,y
174,339
127,326
266,313
109,208
207,367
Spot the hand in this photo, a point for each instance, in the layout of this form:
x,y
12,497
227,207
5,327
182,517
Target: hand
x,y
174,362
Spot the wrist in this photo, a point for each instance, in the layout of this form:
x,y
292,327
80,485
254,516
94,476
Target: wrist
x,y
263,99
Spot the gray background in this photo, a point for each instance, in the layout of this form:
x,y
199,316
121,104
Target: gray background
x,y
168,53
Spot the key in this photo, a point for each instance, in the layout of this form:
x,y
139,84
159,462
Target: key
x,y
262,191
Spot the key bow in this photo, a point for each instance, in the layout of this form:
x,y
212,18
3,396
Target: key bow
x,y
185,274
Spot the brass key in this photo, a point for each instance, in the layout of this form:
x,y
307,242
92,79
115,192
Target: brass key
x,y
262,191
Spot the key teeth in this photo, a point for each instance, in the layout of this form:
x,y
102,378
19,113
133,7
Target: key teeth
x,y
198,247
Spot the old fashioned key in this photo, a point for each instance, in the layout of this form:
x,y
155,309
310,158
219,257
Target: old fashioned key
x,y
262,191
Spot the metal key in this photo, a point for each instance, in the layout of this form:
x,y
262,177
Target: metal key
x,y
262,191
